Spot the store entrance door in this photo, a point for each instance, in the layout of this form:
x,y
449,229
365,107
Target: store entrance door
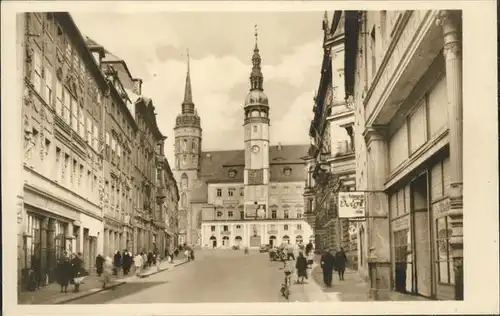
x,y
422,269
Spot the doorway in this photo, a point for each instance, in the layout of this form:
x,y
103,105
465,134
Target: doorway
x,y
214,241
225,241
272,240
419,220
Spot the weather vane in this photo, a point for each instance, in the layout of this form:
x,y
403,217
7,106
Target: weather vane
x,y
256,33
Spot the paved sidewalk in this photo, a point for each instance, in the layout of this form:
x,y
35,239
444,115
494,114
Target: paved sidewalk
x,y
51,294
352,289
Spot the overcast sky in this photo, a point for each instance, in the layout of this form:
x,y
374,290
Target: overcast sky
x,y
221,46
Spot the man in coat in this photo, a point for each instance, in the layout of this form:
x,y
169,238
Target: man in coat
x,y
340,263
327,264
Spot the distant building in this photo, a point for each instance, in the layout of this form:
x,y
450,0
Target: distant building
x,y
242,197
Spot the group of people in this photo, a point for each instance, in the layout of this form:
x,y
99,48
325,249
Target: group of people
x,y
330,262
69,270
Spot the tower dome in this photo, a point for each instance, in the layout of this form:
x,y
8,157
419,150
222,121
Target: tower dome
x,y
256,95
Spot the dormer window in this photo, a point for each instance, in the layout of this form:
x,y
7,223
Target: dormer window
x,y
287,171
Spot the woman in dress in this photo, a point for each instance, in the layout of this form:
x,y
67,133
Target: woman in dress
x,y
301,266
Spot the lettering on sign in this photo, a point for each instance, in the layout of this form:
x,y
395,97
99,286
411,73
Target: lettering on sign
x,y
351,204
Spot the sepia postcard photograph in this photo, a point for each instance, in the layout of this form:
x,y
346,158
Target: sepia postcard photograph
x,y
249,157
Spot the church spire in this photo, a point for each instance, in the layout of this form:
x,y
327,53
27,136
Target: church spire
x,y
256,77
187,104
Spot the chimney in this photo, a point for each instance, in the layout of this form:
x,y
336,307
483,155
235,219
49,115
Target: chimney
x,y
279,146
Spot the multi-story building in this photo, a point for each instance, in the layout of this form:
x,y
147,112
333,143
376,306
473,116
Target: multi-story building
x,y
243,197
63,114
88,153
120,136
330,161
151,230
171,205
403,70
134,189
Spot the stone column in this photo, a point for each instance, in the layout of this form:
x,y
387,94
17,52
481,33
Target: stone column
x,y
43,253
451,24
377,210
51,249
69,247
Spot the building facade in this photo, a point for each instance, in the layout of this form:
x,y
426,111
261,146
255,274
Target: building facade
x,y
150,230
403,71
243,197
62,128
331,166
92,152
171,206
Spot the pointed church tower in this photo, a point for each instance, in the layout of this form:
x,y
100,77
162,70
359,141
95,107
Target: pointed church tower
x,y
256,131
188,136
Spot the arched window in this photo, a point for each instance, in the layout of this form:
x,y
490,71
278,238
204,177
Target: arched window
x,y
285,214
184,181
184,200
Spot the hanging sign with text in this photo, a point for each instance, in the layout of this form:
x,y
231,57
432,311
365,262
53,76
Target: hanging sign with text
x,y
351,204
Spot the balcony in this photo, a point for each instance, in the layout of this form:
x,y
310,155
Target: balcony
x,y
272,231
225,233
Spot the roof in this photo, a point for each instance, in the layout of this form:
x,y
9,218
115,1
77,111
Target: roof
x,y
227,166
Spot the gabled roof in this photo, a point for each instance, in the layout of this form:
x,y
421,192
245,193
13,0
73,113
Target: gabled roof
x,y
219,166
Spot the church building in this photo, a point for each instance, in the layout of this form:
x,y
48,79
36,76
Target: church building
x,y
244,197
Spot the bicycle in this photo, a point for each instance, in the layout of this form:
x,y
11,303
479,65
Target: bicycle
x,y
285,287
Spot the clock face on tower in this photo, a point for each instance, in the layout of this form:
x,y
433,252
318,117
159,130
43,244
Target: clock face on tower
x,y
255,149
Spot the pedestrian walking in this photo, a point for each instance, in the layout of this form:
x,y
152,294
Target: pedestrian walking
x,y
126,262
144,260
301,266
340,263
290,255
63,273
186,255
138,263
99,264
309,248
108,270
117,262
327,264
78,272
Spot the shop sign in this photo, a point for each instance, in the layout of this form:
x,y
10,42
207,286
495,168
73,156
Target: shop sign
x,y
351,204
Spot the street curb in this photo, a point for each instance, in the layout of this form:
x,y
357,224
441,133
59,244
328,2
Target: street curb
x,y
162,270
114,285
90,292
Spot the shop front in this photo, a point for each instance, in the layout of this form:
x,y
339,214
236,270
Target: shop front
x,y
421,260
47,232
91,243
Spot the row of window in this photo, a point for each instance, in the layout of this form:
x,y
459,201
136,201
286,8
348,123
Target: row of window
x,y
274,214
225,228
60,166
231,191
